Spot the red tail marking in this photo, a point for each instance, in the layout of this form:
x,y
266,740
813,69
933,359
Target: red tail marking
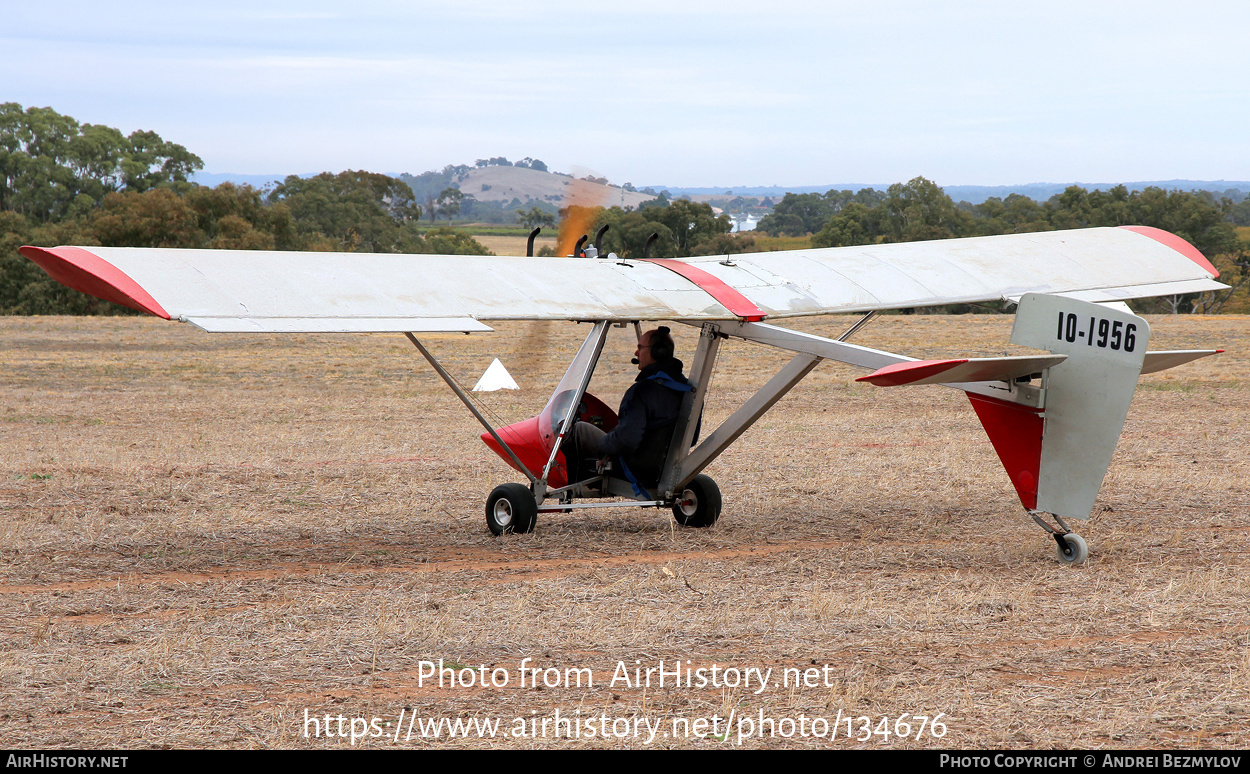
x,y
1016,432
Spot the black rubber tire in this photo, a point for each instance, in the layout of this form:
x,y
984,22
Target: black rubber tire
x,y
511,509
699,503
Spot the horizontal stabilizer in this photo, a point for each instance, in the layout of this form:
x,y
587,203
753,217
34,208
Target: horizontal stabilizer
x,y
972,369
1163,359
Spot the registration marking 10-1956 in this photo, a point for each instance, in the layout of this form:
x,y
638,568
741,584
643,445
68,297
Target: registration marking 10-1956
x,y
1103,333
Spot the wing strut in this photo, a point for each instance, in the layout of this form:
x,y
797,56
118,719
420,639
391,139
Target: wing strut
x,y
746,415
861,322
684,463
691,407
599,334
468,402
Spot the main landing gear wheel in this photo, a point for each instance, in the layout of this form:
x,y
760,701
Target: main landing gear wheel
x,y
511,509
698,505
1072,548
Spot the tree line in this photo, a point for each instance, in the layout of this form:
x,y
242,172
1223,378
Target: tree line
x,y
919,209
683,228
63,182
66,183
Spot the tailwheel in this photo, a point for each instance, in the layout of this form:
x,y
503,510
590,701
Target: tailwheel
x,y
511,509
698,504
1072,548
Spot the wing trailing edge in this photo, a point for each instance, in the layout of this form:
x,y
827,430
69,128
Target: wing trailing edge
x,y
338,324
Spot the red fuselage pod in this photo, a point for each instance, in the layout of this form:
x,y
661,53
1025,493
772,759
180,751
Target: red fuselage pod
x,y
532,439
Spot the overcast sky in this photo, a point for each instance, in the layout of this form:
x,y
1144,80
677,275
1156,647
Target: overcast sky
x,y
660,91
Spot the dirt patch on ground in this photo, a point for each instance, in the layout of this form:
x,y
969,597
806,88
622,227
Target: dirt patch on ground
x,y
210,541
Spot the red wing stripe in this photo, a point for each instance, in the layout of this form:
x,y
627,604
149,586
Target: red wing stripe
x,y
91,274
1177,244
729,298
906,373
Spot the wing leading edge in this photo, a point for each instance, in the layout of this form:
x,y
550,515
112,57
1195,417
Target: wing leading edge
x,y
259,291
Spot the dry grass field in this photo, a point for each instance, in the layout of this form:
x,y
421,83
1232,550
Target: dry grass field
x,y
512,245
207,539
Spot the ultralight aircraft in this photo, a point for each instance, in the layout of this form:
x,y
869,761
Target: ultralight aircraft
x,y
1054,418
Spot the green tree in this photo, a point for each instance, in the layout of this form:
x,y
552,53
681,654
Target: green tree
x,y
855,225
535,217
359,211
158,218
920,210
151,161
727,244
52,167
34,171
448,202
447,241
427,185
236,217
689,223
802,214
1192,216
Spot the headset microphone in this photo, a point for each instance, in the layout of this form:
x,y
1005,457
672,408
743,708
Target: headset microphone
x,y
634,360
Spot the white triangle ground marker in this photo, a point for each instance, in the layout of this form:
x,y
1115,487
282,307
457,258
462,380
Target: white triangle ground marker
x,y
496,377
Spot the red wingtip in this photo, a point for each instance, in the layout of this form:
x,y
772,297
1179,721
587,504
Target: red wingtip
x,y
1177,244
87,272
905,373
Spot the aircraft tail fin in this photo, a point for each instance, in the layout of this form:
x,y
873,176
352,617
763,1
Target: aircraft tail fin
x,y
1057,454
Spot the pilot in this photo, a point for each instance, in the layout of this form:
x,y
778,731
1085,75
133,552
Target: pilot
x,y
648,413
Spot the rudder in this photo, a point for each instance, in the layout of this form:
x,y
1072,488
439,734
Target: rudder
x,y
1057,456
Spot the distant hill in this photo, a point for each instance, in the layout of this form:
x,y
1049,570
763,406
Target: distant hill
x,y
504,184
1042,191
496,183
487,184
213,179
975,193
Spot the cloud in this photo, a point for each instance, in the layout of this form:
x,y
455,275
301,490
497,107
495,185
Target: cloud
x,y
651,90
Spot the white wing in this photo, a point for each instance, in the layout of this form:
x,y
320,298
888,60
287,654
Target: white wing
x,y
234,290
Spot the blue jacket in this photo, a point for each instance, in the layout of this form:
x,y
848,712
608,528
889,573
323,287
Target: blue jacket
x,y
646,418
